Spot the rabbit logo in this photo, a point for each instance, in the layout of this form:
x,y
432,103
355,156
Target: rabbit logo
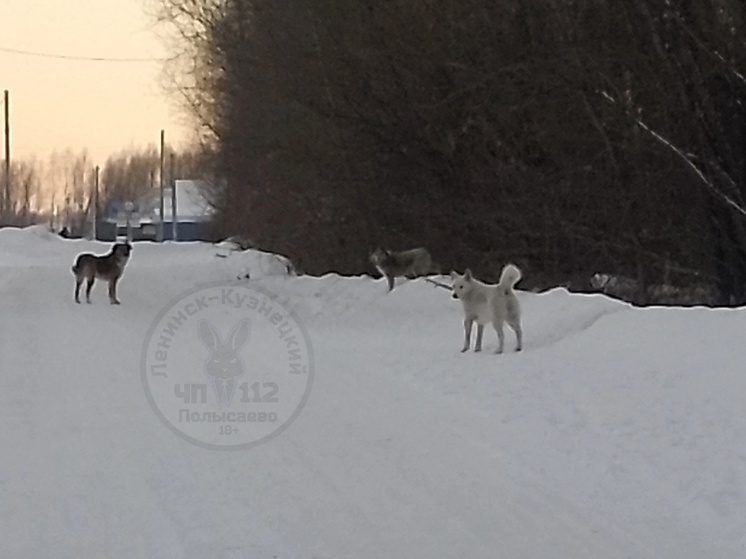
x,y
227,367
224,365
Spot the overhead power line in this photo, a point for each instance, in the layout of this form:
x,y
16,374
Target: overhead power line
x,y
79,58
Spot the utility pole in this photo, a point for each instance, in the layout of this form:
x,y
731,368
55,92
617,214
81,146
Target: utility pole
x,y
6,198
174,215
161,224
94,227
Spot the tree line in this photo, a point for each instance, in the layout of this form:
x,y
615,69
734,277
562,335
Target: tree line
x,y
61,189
568,136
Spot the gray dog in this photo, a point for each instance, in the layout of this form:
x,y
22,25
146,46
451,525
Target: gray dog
x,y
407,263
109,267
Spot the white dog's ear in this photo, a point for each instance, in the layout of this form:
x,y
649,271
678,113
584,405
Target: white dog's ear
x,y
467,274
454,275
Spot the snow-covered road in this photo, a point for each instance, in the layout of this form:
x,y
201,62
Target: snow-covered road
x,y
617,432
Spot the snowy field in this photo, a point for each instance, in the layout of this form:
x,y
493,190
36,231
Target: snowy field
x,y
616,433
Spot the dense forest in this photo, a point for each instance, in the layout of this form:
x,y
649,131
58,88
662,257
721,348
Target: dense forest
x,y
568,136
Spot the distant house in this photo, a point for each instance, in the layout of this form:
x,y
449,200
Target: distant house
x,y
193,214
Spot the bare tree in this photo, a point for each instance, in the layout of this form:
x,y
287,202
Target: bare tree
x,y
572,136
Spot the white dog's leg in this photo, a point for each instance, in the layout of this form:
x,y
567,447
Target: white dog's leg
x,y
516,326
480,330
467,334
500,335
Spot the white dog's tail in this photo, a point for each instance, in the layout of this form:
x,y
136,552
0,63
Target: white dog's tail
x,y
510,276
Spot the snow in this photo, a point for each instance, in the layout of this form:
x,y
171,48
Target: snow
x,y
617,432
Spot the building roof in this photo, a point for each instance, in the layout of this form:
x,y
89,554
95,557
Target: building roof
x,y
191,203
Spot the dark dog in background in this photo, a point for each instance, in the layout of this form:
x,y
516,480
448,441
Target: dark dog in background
x,y
109,267
411,263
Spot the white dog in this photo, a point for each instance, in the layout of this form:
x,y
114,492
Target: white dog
x,y
485,303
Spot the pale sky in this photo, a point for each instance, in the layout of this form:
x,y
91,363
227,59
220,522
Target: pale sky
x,y
102,106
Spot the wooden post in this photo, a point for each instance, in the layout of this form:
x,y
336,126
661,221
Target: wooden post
x,y
6,197
174,215
94,228
161,224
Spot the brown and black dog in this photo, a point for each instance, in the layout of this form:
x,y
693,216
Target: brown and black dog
x,y
109,267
